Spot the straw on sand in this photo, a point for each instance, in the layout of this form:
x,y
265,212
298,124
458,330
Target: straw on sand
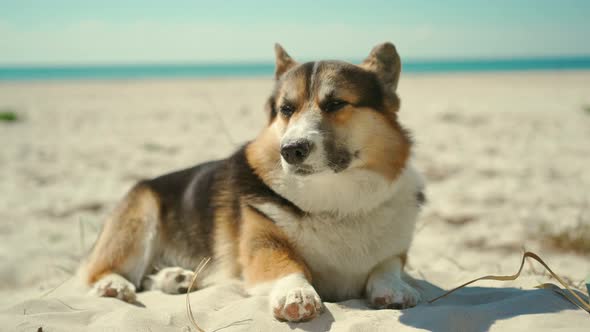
x,y
189,310
583,304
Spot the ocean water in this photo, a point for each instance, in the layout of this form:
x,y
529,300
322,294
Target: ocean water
x,y
107,72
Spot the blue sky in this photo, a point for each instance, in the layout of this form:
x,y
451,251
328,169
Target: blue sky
x,y
109,31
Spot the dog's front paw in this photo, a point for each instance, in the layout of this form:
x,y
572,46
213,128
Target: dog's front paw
x,y
392,295
294,299
114,285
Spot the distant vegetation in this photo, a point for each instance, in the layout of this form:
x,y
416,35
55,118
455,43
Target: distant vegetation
x,y
8,115
576,239
586,109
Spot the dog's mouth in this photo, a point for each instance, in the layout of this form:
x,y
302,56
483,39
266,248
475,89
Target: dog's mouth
x,y
339,163
303,170
335,163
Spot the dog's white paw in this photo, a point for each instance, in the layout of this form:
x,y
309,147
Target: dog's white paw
x,y
384,294
170,280
294,299
114,285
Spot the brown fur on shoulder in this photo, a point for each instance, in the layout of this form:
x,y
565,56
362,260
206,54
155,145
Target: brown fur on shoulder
x,y
265,251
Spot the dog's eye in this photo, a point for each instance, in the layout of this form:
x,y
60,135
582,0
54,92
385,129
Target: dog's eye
x,y
334,105
287,110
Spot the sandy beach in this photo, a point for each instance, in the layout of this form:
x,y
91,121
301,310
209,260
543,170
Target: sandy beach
x,y
505,157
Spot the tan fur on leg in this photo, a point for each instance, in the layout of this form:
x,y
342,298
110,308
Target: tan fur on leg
x,y
268,259
126,243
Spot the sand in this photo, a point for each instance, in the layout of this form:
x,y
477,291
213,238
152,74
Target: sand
x,y
505,156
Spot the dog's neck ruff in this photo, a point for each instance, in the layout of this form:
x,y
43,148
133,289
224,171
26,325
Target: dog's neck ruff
x,y
351,192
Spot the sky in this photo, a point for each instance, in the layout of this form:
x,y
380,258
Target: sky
x,y
37,32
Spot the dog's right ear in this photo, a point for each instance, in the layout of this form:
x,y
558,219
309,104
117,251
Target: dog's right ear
x,y
282,61
385,62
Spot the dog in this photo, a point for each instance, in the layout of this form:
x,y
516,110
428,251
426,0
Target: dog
x,y
321,205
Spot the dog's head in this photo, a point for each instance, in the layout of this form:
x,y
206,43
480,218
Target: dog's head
x,y
331,116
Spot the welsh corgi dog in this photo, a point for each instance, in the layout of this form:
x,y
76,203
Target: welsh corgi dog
x,y
320,206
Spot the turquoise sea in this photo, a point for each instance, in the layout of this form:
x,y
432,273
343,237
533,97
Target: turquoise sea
x,y
20,73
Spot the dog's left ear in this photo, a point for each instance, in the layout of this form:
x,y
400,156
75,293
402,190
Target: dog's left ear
x,y
385,62
283,61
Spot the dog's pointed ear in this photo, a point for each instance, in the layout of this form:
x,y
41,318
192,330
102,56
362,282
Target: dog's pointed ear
x,y
282,61
385,62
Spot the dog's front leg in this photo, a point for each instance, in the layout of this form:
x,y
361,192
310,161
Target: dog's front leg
x,y
386,288
271,266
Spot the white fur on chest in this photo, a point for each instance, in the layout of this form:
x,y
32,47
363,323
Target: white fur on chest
x,y
341,248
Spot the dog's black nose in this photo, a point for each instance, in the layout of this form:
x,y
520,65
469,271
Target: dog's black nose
x,y
296,152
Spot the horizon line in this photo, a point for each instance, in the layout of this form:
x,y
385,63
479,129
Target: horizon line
x,y
185,63
263,69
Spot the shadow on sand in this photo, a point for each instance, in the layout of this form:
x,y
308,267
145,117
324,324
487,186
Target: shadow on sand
x,y
478,308
468,309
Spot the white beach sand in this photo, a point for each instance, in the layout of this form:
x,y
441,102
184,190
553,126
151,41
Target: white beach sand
x,y
506,157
